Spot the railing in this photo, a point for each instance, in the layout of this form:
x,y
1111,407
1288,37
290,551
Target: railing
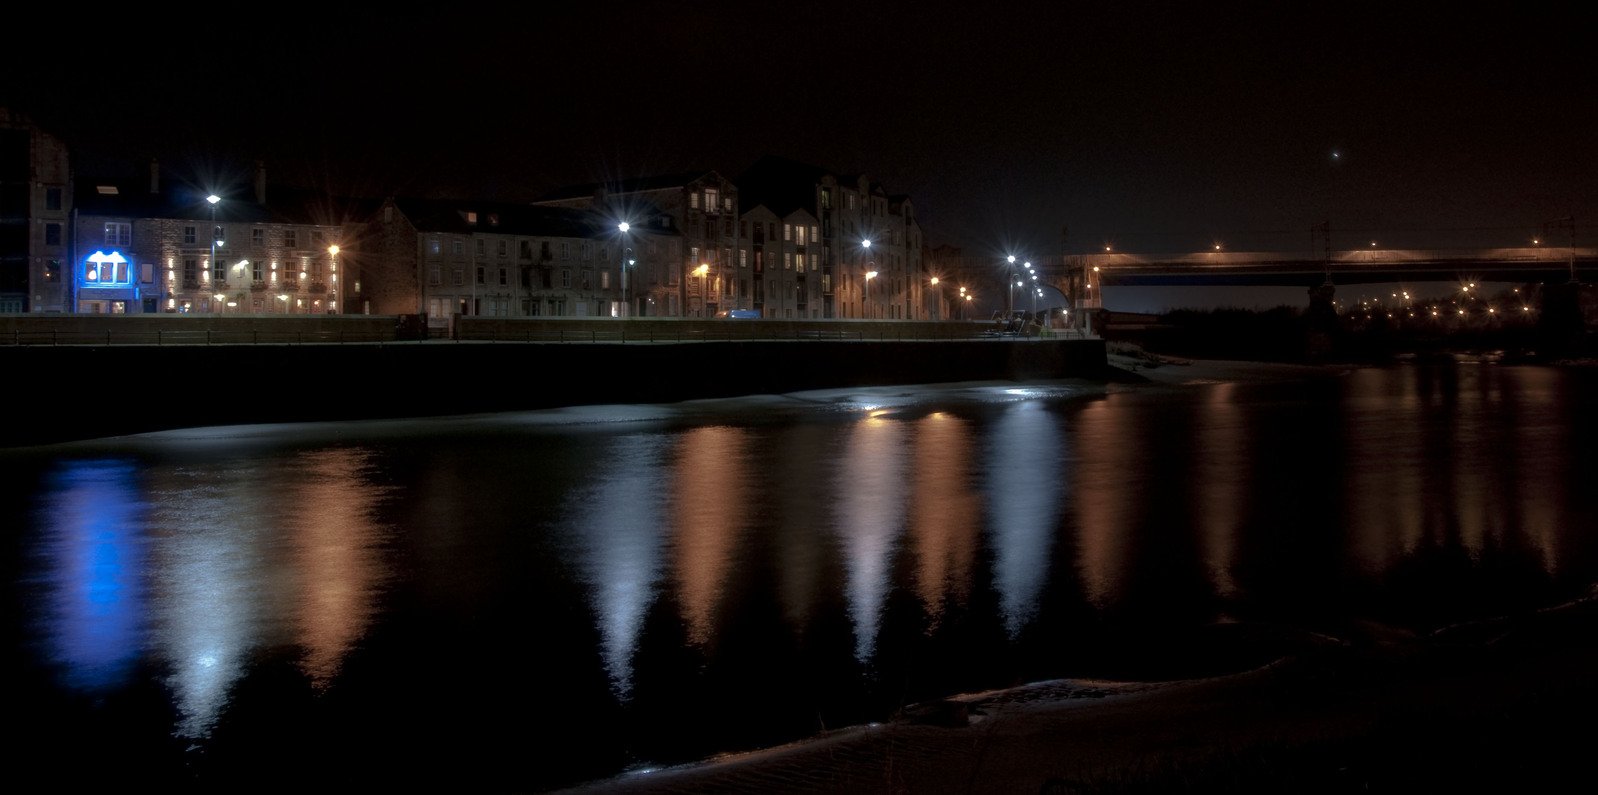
x,y
190,337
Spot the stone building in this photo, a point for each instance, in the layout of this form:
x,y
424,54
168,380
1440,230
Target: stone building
x,y
703,207
35,215
869,252
148,246
448,258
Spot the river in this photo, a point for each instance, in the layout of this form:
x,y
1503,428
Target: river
x,y
529,600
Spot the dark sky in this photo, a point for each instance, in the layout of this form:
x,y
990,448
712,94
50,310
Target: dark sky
x,y
1155,127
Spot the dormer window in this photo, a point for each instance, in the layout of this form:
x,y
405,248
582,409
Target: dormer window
x,y
493,219
471,218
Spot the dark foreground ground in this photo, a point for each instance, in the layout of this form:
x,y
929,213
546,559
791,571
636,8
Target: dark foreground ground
x,y
1505,705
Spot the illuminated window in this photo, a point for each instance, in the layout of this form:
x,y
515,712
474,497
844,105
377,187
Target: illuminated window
x,y
712,199
103,270
787,231
693,200
435,246
604,280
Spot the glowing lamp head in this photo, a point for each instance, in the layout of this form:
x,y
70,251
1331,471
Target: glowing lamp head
x,y
333,250
213,199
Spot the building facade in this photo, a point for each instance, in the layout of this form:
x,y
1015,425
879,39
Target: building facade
x,y
35,213
150,247
703,207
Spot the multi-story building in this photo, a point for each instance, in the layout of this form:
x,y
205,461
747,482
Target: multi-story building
x,y
35,210
142,247
869,252
784,255
703,205
446,258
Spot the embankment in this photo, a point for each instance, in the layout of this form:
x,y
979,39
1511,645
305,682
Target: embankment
x,y
86,391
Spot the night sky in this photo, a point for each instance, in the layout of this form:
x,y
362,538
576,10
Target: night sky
x,y
1159,128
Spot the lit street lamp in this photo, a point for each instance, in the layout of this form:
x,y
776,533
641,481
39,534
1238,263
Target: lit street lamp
x,y
212,200
1009,279
332,290
937,298
866,304
703,272
626,294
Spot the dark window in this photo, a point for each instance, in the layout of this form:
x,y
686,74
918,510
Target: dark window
x,y
52,198
52,234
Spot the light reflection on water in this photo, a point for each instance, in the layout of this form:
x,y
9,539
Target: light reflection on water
x,y
905,552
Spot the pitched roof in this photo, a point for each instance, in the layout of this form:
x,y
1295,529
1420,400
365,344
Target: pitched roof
x,y
625,186
130,198
450,216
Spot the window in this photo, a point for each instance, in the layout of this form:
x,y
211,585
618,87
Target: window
x,y
434,246
565,250
504,277
743,258
457,248
812,262
480,275
693,254
479,240
787,260
255,271
218,271
317,239
712,199
52,270
588,251
291,239
457,276
693,201
604,280
188,235
52,234
52,198
435,274
588,278
118,234
503,247
565,278
799,235
787,231
190,268
258,237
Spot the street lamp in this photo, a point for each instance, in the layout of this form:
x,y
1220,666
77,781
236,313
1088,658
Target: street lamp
x,y
1009,280
937,298
332,290
212,200
703,272
866,305
626,294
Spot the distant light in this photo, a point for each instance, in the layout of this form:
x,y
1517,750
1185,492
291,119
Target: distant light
x,y
1217,246
333,249
1373,244
934,281
213,198
624,226
1010,259
865,244
1106,248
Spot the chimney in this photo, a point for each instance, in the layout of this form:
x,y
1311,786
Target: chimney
x,y
260,182
155,176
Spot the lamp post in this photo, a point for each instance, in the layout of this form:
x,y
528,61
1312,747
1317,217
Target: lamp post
x,y
703,272
865,305
212,200
937,298
332,288
626,295
1009,280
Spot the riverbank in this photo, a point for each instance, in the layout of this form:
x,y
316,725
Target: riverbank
x,y
1502,704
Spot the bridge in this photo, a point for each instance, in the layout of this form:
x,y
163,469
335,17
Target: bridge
x,y
1547,264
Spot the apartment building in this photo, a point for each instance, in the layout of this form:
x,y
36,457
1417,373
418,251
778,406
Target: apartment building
x,y
35,212
703,207
153,246
448,258
868,256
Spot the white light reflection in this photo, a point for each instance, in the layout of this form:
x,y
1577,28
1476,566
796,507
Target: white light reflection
x,y
208,566
619,519
870,491
1025,482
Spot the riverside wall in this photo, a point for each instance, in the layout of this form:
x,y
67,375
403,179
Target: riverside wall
x,y
66,392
